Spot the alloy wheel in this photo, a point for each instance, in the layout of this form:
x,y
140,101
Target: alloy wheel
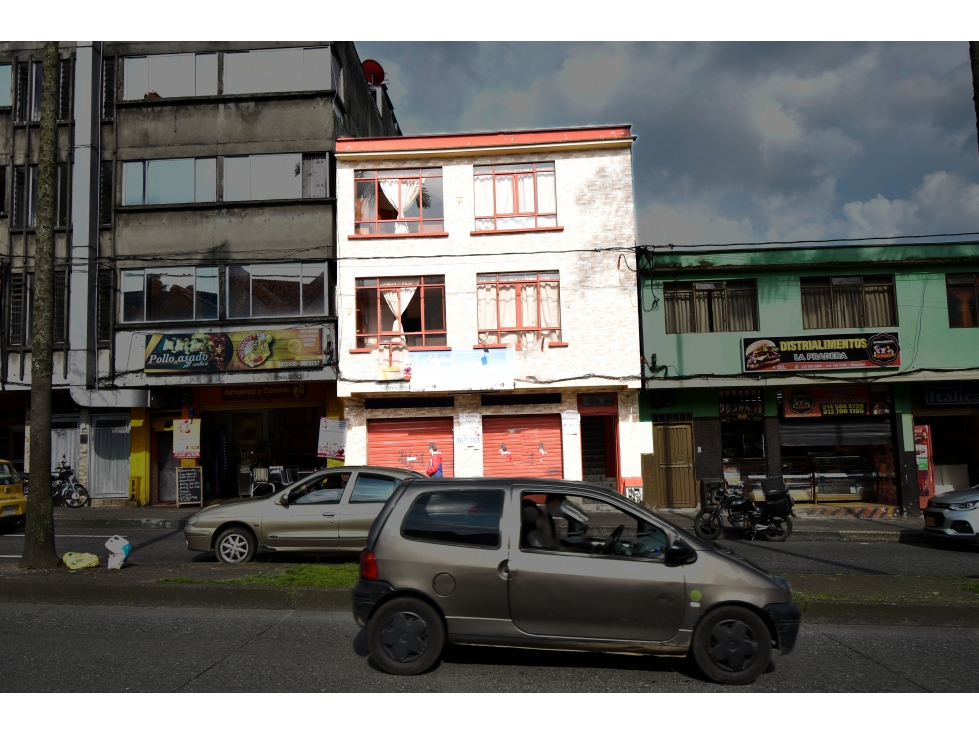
x,y
732,645
405,637
234,548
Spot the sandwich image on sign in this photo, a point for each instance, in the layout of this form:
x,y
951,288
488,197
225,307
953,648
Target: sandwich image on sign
x,y
762,354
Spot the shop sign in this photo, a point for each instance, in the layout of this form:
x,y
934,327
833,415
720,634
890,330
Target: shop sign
x,y
296,391
468,437
490,369
332,442
187,439
570,422
821,352
835,401
952,393
235,351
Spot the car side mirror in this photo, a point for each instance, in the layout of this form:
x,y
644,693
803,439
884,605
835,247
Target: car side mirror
x,y
680,553
283,499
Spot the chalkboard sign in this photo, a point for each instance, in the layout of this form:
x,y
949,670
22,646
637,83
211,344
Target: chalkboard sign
x,y
190,484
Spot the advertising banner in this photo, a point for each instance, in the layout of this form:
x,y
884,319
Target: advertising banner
x,y
490,369
333,439
820,352
952,393
258,349
834,401
187,438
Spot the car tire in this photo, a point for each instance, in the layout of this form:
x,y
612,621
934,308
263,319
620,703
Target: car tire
x,y
732,645
405,636
235,545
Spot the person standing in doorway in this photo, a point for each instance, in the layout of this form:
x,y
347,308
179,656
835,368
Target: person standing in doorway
x,y
435,464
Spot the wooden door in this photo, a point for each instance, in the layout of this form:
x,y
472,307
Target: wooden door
x,y
673,454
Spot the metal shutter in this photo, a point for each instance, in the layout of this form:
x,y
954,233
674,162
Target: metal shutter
x,y
403,442
523,435
110,457
815,432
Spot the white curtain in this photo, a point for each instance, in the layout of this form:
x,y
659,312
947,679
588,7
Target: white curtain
x,y
483,196
409,195
550,311
508,306
504,194
486,306
525,193
528,305
546,199
391,299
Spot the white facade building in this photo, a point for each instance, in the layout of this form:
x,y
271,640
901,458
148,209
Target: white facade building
x,y
497,320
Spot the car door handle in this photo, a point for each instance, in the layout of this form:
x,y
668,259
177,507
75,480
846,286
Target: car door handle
x,y
328,514
504,570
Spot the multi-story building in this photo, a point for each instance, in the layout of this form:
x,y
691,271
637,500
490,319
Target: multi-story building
x,y
844,368
487,305
195,250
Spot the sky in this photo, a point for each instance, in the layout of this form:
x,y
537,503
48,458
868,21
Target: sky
x,y
737,141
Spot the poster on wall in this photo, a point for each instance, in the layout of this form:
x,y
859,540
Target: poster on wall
x,y
235,351
247,429
821,352
835,401
333,439
489,369
187,438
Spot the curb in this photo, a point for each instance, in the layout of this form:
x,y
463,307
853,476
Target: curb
x,y
156,523
890,614
863,536
215,596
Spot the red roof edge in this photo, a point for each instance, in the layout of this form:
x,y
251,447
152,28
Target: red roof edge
x,y
484,139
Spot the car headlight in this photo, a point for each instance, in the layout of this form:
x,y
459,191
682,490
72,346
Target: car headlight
x,y
193,519
964,505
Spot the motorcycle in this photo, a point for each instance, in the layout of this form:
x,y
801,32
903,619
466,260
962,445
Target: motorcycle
x,y
772,518
63,486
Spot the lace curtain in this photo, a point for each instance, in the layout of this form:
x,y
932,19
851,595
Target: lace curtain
x,y
409,196
503,299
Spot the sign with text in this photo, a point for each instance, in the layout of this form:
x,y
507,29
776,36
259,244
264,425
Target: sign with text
x,y
270,391
952,393
468,437
821,352
187,438
190,485
489,369
835,401
235,351
570,422
333,438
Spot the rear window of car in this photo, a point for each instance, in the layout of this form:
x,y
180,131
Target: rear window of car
x,y
8,475
470,518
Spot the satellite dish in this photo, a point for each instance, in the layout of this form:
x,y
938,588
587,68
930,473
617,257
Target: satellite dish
x,y
373,71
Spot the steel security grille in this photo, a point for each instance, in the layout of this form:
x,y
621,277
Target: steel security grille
x,y
403,443
21,100
20,196
15,332
64,90
816,432
60,306
108,88
104,305
522,446
105,193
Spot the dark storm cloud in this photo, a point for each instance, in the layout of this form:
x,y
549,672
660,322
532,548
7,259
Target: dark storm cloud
x,y
737,141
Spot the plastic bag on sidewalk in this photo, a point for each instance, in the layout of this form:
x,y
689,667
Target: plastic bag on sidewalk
x,y
119,549
75,561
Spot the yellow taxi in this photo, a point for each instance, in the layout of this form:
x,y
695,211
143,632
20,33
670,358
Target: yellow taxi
x,y
13,503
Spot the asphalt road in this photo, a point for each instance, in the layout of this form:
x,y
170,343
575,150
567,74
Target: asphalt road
x,y
65,648
847,557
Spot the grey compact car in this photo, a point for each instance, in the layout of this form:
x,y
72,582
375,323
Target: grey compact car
x,y
328,511
559,565
954,515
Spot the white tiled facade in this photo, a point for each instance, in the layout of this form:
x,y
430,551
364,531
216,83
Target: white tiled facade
x,y
599,316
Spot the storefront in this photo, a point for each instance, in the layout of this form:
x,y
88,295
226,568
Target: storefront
x,y
247,431
946,422
407,443
523,445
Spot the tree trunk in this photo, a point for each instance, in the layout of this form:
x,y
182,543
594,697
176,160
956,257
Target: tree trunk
x,y
39,549
974,58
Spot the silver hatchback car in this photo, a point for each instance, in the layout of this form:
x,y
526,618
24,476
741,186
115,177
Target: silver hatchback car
x,y
559,565
954,515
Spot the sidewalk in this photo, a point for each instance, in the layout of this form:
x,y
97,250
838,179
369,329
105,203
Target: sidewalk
x,y
165,517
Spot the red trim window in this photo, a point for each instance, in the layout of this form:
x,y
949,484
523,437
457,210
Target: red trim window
x,y
406,201
401,311
515,196
522,310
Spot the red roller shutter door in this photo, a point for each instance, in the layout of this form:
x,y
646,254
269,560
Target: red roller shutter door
x,y
403,442
523,436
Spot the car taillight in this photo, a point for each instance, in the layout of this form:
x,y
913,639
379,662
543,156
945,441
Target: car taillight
x,y
368,566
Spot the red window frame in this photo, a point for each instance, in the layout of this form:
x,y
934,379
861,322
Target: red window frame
x,y
512,170
390,227
429,337
483,279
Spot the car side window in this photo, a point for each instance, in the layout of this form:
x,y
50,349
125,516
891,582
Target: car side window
x,y
371,488
578,524
470,518
325,491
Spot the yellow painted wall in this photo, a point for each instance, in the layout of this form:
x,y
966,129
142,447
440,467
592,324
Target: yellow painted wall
x,y
139,455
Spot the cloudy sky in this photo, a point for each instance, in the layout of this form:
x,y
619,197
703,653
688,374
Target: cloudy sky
x,y
738,142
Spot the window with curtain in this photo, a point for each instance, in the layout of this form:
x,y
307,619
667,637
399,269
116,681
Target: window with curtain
x,y
406,201
848,302
962,301
170,294
276,290
702,307
514,196
522,310
402,311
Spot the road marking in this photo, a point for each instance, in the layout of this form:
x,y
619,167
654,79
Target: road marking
x,y
9,556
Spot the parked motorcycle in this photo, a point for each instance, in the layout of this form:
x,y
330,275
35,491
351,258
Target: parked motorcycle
x,y
772,518
63,486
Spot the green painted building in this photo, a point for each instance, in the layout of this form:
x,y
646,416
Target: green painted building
x,y
822,364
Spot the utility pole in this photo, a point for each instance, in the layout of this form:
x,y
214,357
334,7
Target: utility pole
x,y
974,58
39,549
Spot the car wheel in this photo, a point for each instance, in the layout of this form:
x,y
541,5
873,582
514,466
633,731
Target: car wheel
x,y
235,545
405,636
732,645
